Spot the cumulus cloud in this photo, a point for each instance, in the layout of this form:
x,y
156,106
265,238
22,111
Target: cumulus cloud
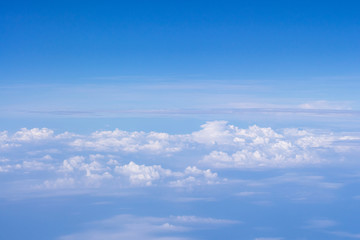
x,y
92,169
34,134
5,141
137,158
95,170
146,175
216,132
215,136
230,146
118,140
194,176
141,174
263,147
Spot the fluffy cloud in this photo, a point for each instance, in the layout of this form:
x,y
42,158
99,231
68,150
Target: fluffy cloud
x,y
96,170
25,135
263,147
137,158
194,176
5,141
3,136
146,175
34,134
216,132
141,174
118,140
227,145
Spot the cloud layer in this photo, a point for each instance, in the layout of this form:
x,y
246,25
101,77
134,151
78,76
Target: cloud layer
x,y
139,159
149,228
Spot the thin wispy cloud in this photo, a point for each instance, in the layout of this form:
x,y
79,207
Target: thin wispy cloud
x,y
148,228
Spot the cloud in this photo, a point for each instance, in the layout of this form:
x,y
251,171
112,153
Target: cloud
x,y
216,132
248,194
345,234
3,136
199,220
227,144
141,174
322,104
34,134
320,223
301,179
263,147
5,168
269,238
146,175
5,142
118,140
117,158
194,176
146,228
59,183
97,170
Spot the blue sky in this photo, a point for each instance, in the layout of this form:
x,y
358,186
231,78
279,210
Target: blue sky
x,y
179,120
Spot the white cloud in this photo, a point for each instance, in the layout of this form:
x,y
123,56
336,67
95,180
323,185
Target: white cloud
x,y
36,166
141,174
118,140
320,223
47,157
93,170
5,168
315,181
5,141
322,104
227,145
216,132
248,194
59,183
146,228
256,158
194,176
34,134
269,238
72,163
263,147
112,162
96,170
146,175
3,136
137,158
345,234
4,160
201,220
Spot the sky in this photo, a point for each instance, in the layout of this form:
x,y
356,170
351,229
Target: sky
x,y
179,120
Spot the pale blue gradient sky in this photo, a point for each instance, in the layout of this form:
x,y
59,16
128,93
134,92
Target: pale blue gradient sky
x,y
179,120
